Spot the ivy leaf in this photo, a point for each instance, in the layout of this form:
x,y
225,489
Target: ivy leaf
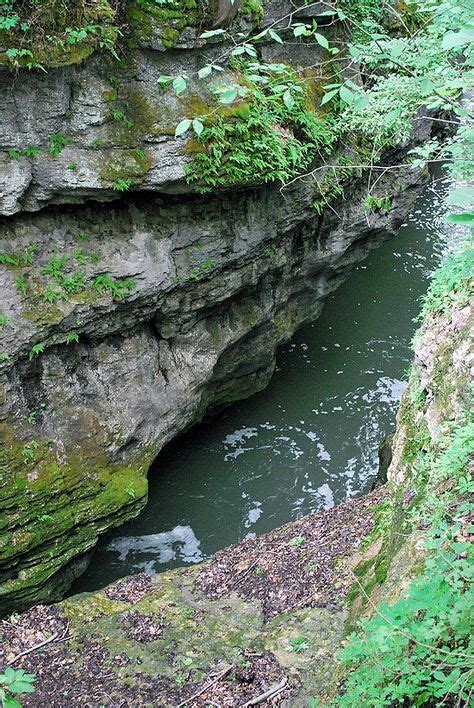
x,y
179,84
275,36
321,39
288,99
182,127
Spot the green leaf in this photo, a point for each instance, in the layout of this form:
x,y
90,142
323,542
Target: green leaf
x,y
329,96
228,96
426,86
299,30
260,35
211,33
288,100
21,687
198,126
321,39
361,101
179,84
346,95
165,80
182,127
394,115
466,218
9,676
275,36
454,40
205,71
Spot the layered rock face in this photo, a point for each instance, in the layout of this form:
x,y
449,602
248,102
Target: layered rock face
x,y
171,304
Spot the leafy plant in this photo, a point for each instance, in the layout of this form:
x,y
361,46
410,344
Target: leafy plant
x,y
14,682
56,144
371,203
72,337
122,185
297,541
117,288
21,285
450,283
298,645
130,491
269,135
36,350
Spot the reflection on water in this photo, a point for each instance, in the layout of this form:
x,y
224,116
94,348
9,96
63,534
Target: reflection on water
x,y
307,442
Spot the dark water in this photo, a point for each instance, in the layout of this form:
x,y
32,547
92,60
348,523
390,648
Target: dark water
x,y
307,442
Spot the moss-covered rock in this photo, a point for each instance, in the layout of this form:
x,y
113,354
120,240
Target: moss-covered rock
x,y
436,397
53,505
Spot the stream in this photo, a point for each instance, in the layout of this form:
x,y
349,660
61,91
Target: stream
x,y
310,439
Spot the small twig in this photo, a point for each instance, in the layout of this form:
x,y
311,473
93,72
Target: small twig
x,y
205,688
240,576
268,694
35,647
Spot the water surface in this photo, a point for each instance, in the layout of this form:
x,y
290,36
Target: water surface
x,y
307,442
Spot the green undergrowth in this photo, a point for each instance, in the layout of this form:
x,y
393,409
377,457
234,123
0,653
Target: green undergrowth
x,y
36,34
268,135
419,651
450,284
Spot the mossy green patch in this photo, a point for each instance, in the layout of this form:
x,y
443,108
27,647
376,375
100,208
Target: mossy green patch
x,y
149,21
54,505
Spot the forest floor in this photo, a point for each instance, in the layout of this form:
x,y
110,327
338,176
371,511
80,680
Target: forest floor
x,y
259,623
